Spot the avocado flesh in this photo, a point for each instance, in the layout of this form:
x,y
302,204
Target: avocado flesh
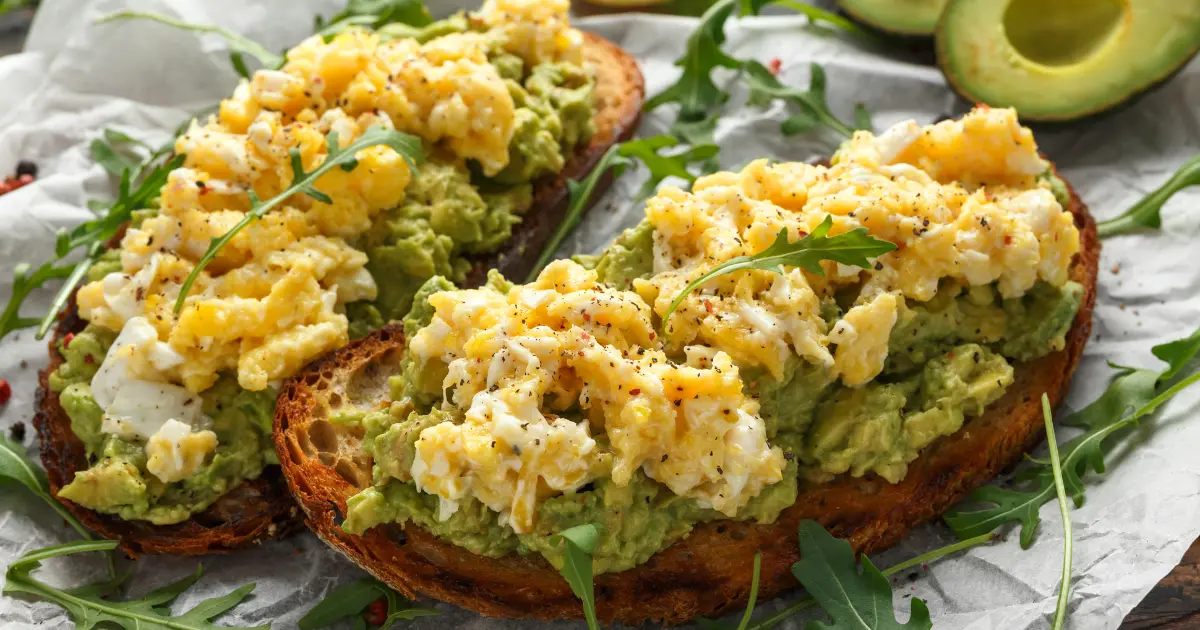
x,y
1063,59
917,18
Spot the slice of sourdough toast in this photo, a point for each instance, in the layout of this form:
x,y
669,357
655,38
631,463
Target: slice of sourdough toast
x,y
261,509
707,573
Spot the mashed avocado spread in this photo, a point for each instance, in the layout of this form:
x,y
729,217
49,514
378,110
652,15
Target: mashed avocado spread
x,y
852,371
945,370
452,208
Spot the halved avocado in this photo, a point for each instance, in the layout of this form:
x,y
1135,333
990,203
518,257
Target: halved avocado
x,y
912,18
1063,59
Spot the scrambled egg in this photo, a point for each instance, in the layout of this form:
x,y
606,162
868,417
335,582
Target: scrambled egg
x,y
563,341
128,387
273,298
961,200
535,30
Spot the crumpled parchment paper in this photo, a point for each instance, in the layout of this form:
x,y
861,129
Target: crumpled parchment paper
x,y
76,78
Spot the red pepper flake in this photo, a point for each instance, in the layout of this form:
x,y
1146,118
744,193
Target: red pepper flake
x,y
634,392
587,317
1007,240
982,106
376,613
26,173
708,305
88,359
68,339
950,355
774,65
652,336
584,336
925,567
5,391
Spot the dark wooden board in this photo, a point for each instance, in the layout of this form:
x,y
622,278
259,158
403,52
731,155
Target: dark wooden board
x,y
1174,604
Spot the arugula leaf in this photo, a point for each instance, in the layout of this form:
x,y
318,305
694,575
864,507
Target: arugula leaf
x,y
808,602
814,109
829,572
401,609
95,234
114,151
1134,393
352,600
862,117
619,157
375,14
239,43
88,608
579,543
23,284
1146,214
1064,589
699,97
696,132
344,601
646,150
855,247
15,466
695,91
409,147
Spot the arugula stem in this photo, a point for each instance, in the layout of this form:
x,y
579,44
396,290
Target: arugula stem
x,y
409,147
574,211
1064,589
23,285
237,41
815,14
64,292
57,550
753,592
925,558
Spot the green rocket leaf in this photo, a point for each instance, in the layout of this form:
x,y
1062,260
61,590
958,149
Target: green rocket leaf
x,y
1134,393
579,543
239,43
89,609
1147,213
409,147
855,247
853,600
649,151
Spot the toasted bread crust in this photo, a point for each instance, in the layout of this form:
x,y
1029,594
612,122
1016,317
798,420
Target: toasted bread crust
x,y
261,509
707,573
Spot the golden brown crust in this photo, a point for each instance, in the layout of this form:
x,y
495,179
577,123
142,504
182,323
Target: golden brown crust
x,y
261,509
708,573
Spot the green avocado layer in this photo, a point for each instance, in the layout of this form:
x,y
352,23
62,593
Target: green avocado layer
x,y
948,359
450,211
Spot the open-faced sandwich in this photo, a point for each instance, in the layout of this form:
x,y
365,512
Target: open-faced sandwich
x,y
156,408
696,426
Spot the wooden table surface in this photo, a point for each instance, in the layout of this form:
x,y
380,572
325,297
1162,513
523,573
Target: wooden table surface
x,y
1175,603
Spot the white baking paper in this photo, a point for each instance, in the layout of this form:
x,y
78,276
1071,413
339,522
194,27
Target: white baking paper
x,y
76,77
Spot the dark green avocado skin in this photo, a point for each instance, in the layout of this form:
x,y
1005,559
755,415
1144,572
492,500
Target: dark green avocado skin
x,y
885,26
944,37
